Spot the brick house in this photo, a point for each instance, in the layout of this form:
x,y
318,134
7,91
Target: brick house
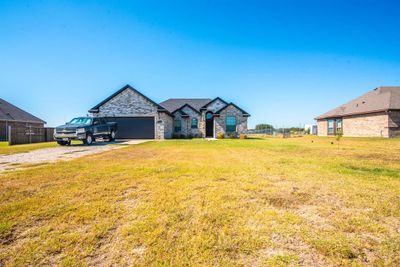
x,y
374,114
13,116
140,117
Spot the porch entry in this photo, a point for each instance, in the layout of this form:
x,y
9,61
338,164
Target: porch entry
x,y
209,124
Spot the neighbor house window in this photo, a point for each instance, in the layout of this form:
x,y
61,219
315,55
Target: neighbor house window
x,y
331,128
177,125
338,125
230,124
194,123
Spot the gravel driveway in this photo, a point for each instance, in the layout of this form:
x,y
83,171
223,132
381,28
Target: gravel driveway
x,y
47,155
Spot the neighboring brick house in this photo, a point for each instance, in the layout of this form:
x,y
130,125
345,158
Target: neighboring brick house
x,y
140,117
13,116
376,113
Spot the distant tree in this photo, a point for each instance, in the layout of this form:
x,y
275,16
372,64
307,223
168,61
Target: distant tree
x,y
264,126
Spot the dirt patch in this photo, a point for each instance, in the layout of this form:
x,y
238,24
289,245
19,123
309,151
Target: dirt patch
x,y
287,245
49,155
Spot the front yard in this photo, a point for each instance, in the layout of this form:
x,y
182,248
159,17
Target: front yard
x,y
5,149
298,201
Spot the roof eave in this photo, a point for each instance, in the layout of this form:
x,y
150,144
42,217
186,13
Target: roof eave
x,y
120,91
38,121
353,114
246,114
215,99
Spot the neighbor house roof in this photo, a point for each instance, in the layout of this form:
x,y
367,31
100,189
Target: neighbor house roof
x,y
96,108
383,98
173,104
9,112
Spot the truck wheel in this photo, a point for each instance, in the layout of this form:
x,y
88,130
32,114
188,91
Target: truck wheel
x,y
62,143
111,137
88,140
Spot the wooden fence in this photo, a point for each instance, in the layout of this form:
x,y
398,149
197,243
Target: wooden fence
x,y
29,135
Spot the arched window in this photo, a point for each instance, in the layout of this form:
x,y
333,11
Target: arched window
x,y
209,116
194,123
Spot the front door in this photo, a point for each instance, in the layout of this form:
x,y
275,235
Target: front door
x,y
209,124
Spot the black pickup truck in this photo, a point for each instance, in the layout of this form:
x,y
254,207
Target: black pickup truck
x,y
86,129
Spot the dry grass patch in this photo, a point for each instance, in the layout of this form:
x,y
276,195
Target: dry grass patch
x,y
231,202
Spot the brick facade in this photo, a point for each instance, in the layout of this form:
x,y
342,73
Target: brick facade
x,y
220,121
4,127
129,102
381,124
394,124
164,126
322,127
194,132
213,107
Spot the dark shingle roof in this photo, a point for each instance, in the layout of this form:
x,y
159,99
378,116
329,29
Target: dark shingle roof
x,y
173,104
380,99
10,112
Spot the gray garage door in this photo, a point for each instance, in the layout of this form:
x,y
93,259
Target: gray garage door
x,y
134,127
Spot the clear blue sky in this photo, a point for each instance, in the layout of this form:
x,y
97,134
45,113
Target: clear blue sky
x,y
284,62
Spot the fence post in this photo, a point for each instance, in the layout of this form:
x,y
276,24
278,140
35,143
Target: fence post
x,y
9,135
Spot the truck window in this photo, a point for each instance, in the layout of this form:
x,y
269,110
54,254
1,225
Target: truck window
x,y
95,121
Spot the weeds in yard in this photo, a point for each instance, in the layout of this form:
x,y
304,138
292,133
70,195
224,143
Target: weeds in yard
x,y
230,202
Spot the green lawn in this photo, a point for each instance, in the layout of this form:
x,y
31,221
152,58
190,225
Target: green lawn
x,y
5,149
297,201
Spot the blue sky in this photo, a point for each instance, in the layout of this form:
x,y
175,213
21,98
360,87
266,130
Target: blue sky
x,y
284,62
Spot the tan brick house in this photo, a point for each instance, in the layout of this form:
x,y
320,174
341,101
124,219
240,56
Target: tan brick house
x,y
374,114
13,116
140,117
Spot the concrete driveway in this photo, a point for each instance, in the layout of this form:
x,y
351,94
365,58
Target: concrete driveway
x,y
63,153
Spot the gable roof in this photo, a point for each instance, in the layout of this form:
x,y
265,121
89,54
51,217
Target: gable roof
x,y
9,112
212,101
173,104
189,106
379,99
183,114
96,108
246,114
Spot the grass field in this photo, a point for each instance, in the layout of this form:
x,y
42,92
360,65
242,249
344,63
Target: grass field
x,y
298,201
5,149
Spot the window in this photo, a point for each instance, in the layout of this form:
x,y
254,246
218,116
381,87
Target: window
x,y
86,121
194,123
231,124
177,125
338,125
331,129
209,116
